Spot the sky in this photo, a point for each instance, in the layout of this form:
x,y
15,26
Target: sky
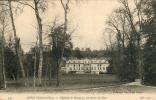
x,y
87,18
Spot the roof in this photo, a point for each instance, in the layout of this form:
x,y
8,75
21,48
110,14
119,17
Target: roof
x,y
85,61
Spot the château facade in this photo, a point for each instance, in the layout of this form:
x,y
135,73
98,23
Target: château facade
x,y
81,66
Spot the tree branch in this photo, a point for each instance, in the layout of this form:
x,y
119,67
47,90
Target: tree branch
x,y
24,3
63,5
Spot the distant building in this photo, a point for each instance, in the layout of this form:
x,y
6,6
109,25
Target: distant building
x,y
80,66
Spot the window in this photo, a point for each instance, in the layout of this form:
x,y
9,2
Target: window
x,y
94,68
103,68
79,68
74,66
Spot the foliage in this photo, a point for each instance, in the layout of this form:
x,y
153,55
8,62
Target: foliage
x,y
132,54
88,53
149,30
11,64
125,51
56,40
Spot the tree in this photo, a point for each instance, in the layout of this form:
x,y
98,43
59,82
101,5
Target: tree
x,y
149,30
65,6
11,64
38,5
57,41
77,53
17,40
128,40
31,61
2,80
3,28
137,33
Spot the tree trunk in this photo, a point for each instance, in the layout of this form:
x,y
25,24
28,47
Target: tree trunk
x,y
58,72
39,21
2,73
65,7
17,42
35,61
2,67
2,45
136,36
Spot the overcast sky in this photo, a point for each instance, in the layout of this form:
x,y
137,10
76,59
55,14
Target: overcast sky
x,y
87,17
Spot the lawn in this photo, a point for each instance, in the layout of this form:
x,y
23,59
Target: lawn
x,y
70,83
67,81
120,89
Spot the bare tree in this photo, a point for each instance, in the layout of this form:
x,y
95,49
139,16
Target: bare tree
x,y
38,5
136,33
2,75
2,45
139,7
116,25
35,63
124,24
17,40
3,27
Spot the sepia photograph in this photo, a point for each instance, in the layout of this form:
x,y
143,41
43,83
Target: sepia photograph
x,y
77,49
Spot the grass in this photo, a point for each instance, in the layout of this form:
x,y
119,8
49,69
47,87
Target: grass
x,y
122,89
67,81
70,83
86,83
